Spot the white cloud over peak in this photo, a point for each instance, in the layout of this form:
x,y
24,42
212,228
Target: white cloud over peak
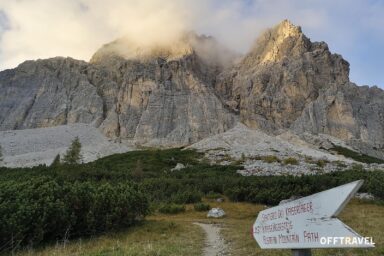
x,y
31,29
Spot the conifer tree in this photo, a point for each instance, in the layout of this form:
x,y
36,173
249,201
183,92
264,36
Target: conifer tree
x,y
56,161
1,155
73,154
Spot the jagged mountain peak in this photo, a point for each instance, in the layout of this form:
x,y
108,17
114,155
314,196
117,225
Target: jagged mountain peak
x,y
283,40
286,28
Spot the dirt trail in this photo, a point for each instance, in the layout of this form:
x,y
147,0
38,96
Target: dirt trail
x,y
214,243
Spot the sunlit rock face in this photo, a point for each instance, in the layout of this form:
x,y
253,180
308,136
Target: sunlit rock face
x,y
289,82
283,73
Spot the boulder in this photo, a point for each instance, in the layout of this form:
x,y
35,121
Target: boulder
x,y
216,213
178,167
365,196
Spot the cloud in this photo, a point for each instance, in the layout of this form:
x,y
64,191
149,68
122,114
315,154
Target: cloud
x,y
46,28
31,29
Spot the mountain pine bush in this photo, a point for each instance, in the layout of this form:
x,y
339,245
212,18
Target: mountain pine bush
x,y
42,209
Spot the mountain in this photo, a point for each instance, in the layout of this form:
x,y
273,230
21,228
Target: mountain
x,y
287,82
179,93
280,76
161,96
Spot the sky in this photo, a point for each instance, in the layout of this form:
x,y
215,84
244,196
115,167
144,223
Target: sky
x,y
33,29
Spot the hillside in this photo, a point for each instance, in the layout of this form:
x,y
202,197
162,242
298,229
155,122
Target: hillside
x,y
73,206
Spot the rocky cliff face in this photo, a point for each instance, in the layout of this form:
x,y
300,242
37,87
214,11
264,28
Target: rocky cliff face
x,y
158,97
289,82
351,113
162,95
283,73
47,93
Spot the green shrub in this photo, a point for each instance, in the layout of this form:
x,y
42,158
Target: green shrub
x,y
171,208
187,197
340,164
308,159
270,159
213,195
291,160
356,156
321,163
42,209
201,207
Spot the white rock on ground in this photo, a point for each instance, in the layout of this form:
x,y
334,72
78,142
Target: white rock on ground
x,y
178,167
216,213
365,196
32,147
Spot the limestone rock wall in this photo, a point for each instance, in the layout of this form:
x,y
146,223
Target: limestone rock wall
x,y
352,113
47,93
288,82
283,73
154,100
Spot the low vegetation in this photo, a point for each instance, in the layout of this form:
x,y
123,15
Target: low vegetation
x,y
321,163
270,159
213,195
42,208
291,161
201,207
171,208
1,155
43,204
174,235
356,156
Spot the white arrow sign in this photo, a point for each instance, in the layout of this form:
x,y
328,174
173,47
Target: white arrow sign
x,y
309,222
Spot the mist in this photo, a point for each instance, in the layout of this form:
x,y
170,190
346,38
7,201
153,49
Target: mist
x,y
32,29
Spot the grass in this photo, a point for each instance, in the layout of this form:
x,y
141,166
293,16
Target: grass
x,y
365,218
164,234
321,163
172,208
291,161
152,238
270,159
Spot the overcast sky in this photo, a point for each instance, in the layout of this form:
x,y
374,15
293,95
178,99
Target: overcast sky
x,y
31,29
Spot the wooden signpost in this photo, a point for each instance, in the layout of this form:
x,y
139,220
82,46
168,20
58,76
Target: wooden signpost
x,y
309,222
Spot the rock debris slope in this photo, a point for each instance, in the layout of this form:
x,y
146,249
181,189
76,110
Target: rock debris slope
x,y
178,94
31,147
262,154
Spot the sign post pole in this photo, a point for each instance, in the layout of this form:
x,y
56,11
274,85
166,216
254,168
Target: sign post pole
x,y
301,252
310,222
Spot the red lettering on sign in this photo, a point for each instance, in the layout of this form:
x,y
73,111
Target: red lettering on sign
x,y
299,209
